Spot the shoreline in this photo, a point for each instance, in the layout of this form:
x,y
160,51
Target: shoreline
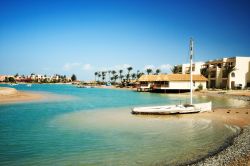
x,y
12,96
236,149
234,152
203,160
234,94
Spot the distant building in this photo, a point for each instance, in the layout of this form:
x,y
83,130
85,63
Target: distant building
x,y
39,78
2,78
170,82
231,73
185,68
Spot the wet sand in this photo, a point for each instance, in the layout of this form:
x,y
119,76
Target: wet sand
x,y
11,95
238,151
233,116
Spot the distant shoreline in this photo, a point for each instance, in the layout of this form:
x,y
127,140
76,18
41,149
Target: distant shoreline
x,y
23,83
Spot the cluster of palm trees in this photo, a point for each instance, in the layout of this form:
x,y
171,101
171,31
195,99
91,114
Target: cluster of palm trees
x,y
176,69
112,76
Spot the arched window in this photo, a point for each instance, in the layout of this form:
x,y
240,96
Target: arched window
x,y
233,74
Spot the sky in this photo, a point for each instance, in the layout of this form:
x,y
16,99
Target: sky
x,y
84,36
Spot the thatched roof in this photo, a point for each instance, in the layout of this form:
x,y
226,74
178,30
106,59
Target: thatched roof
x,y
171,77
147,78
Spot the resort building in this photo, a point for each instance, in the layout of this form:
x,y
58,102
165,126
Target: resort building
x,y
37,78
170,82
4,77
227,73
185,68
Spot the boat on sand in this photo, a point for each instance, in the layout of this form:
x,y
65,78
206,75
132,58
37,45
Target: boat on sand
x,y
173,109
177,109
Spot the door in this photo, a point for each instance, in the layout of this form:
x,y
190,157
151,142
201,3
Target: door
x,y
232,84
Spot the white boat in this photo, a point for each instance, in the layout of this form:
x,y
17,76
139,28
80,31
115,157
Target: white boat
x,y
173,109
29,85
84,86
13,84
177,109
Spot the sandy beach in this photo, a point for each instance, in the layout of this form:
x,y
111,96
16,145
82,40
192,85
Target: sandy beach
x,y
11,95
238,150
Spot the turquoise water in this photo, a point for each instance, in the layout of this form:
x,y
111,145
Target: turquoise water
x,y
94,127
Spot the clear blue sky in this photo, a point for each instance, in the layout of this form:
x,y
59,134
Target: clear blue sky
x,y
70,36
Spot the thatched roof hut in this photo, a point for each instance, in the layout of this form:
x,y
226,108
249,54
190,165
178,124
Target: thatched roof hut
x,y
171,77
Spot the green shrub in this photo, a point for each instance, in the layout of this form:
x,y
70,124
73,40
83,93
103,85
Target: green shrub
x,y
200,87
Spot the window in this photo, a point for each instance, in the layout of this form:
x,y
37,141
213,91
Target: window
x,y
233,74
212,74
166,84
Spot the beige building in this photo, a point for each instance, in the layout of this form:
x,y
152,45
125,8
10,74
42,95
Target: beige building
x,y
171,82
231,73
185,68
2,78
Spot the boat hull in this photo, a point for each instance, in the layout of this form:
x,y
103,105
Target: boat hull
x,y
173,109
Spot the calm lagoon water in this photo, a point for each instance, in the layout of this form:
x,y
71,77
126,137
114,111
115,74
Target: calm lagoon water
x,y
94,127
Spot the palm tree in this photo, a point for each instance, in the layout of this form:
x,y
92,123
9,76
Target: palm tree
x,y
157,71
99,76
96,74
128,75
120,74
109,74
129,69
139,75
121,77
175,69
103,75
133,76
228,69
113,72
111,79
149,71
73,77
205,72
115,77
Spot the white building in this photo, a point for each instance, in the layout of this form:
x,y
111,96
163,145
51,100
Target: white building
x,y
185,68
232,73
177,82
